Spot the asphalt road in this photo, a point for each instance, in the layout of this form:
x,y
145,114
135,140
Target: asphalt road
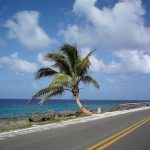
x,y
138,140
82,136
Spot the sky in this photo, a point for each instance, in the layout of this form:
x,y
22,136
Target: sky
x,y
119,30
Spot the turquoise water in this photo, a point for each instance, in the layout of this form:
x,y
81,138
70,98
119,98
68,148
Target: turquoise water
x,y
19,107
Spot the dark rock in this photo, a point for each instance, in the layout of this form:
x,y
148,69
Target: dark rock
x,y
49,115
36,117
68,113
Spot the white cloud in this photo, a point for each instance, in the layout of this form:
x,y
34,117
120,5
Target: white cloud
x,y
17,64
96,64
24,27
128,62
119,27
76,34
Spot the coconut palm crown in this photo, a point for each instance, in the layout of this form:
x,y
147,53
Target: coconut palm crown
x,y
68,71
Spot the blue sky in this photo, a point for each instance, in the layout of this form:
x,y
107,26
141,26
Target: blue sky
x,y
119,30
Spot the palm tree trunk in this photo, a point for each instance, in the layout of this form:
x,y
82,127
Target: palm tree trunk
x,y
82,109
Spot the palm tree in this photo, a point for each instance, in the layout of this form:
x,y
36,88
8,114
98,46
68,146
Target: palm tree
x,y
68,71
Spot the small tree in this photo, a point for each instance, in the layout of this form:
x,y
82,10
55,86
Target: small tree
x,y
68,71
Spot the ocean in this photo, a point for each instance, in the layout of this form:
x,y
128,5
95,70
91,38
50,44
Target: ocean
x,y
18,107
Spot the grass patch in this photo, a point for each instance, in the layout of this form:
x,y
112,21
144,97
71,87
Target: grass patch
x,y
46,122
4,129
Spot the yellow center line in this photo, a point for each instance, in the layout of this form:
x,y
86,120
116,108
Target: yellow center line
x,y
121,136
117,134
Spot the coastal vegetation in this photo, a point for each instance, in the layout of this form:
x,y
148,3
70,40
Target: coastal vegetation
x,y
68,70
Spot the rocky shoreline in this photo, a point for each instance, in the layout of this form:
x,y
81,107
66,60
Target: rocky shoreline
x,y
36,118
50,115
7,124
133,105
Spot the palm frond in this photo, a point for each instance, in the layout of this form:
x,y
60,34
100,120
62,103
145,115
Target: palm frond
x,y
71,53
60,62
84,64
61,77
50,89
88,79
44,72
50,95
